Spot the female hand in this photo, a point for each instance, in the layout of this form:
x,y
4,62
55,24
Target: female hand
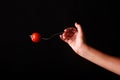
x,y
74,37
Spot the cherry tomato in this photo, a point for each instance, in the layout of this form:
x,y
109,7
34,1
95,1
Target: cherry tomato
x,y
35,37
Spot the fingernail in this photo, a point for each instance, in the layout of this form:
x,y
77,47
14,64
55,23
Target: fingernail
x,y
64,30
76,23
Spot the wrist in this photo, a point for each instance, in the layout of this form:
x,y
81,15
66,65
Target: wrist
x,y
82,49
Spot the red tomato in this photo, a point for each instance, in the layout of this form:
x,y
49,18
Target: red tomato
x,y
35,37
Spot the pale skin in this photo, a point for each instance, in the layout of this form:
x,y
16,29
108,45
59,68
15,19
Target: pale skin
x,y
75,39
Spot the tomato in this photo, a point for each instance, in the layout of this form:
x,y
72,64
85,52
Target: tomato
x,y
35,37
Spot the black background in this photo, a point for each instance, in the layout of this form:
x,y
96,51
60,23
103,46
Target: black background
x,y
100,23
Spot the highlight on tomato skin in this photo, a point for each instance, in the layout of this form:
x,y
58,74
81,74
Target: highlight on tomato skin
x,y
35,37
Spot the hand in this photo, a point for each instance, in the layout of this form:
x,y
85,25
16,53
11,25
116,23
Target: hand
x,y
73,36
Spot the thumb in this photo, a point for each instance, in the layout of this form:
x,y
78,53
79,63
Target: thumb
x,y
78,26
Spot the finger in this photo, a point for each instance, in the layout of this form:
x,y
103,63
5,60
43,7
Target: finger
x,y
70,30
68,33
78,26
61,37
65,29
